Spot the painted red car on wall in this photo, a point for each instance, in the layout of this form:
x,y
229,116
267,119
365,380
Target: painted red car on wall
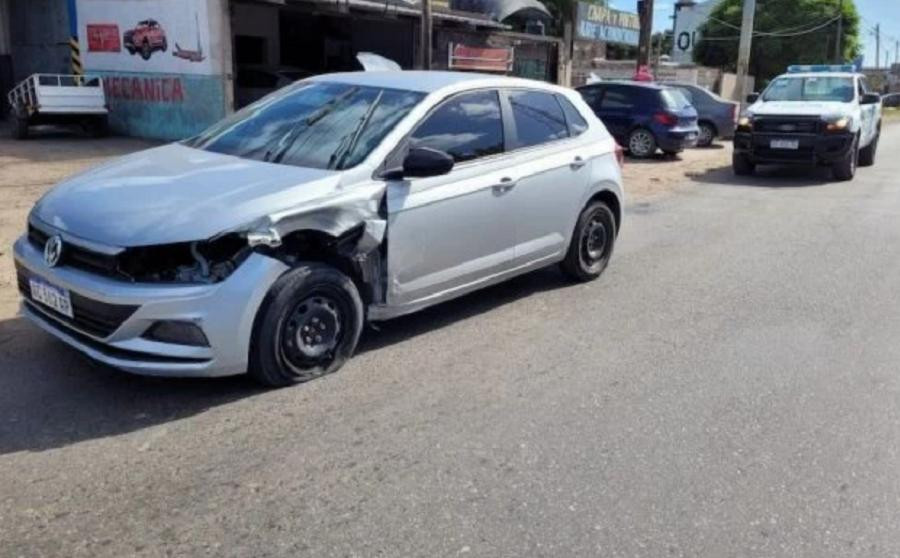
x,y
146,38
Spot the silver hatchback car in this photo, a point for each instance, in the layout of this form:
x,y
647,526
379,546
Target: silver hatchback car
x,y
264,244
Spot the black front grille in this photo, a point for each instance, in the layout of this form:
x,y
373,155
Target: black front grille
x,y
787,125
77,256
90,316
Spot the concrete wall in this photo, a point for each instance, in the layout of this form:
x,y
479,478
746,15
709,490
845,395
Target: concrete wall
x,y
39,33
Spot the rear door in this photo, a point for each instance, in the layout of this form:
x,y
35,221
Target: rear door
x,y
552,172
617,110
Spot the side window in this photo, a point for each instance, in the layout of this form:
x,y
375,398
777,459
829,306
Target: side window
x,y
467,126
861,85
538,117
617,98
577,123
592,96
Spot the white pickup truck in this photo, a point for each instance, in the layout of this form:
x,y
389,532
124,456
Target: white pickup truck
x,y
59,99
815,115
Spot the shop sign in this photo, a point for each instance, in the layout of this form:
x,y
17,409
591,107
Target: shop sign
x,y
595,22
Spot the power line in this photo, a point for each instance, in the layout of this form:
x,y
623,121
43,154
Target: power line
x,y
774,34
780,31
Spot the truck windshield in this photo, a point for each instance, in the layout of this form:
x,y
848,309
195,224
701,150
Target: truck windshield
x,y
812,88
320,125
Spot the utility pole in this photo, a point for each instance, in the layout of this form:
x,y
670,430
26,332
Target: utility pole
x,y
838,51
426,35
645,42
743,61
878,45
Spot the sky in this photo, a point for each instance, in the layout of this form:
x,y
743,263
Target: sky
x,y
885,12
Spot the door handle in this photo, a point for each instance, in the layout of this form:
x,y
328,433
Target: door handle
x,y
577,163
505,185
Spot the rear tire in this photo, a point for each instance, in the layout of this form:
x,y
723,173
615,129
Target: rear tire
x,y
308,325
741,165
641,143
867,153
592,243
707,135
845,169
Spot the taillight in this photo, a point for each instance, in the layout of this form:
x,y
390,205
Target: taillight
x,y
666,118
620,156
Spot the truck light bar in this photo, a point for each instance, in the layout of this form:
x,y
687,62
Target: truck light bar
x,y
811,68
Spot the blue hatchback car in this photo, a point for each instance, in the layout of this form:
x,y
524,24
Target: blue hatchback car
x,y
644,117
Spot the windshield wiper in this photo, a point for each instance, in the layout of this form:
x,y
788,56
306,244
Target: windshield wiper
x,y
284,143
344,149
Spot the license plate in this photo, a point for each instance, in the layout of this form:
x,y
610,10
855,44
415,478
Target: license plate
x,y
51,296
785,144
691,137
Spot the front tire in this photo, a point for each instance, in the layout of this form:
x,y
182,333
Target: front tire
x,y
641,143
308,325
845,169
867,153
592,243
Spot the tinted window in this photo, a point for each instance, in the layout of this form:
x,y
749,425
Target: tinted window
x,y
592,96
538,116
617,98
320,125
577,123
467,126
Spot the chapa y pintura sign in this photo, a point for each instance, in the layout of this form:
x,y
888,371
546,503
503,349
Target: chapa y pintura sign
x,y
599,23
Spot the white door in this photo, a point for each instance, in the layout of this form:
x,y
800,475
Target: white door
x,y
448,233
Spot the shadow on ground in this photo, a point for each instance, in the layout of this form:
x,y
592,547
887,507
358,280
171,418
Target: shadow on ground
x,y
52,396
767,177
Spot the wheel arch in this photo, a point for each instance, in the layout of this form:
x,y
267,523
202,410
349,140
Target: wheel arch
x,y
611,199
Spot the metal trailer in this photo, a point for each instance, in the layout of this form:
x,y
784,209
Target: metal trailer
x,y
59,99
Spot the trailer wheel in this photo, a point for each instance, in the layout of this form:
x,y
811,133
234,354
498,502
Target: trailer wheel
x,y
97,127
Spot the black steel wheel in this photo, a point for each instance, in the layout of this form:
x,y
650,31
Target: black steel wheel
x,y
308,326
592,243
707,135
845,169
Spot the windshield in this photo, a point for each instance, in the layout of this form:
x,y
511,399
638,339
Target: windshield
x,y
813,88
319,125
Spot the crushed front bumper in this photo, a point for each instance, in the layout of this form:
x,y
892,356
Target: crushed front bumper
x,y
112,316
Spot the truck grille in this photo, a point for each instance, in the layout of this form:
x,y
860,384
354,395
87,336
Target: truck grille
x,y
91,316
77,256
789,125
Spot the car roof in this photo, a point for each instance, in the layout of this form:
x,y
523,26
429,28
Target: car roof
x,y
821,74
645,84
430,81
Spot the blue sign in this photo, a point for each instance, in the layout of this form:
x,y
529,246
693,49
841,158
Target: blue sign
x,y
596,22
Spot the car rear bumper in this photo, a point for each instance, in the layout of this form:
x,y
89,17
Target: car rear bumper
x,y
111,317
678,139
813,149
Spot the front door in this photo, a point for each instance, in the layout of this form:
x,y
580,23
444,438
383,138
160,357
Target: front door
x,y
448,233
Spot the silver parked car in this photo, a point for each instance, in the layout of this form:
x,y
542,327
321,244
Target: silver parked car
x,y
717,116
266,242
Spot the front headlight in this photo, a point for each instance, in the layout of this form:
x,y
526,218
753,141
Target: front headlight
x,y
838,125
745,123
207,261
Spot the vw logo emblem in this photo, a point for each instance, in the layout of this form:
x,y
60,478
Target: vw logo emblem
x,y
53,250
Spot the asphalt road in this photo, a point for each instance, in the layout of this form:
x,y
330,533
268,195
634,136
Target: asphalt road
x,y
728,388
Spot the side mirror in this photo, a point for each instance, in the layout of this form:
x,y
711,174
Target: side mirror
x,y
870,99
421,162
752,98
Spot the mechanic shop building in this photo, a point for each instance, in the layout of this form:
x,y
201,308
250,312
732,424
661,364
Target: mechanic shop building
x,y
173,67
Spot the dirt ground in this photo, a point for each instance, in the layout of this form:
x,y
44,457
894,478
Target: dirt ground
x,y
29,168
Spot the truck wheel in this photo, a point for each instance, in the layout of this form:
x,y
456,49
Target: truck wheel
x,y
308,326
592,243
867,153
741,165
845,169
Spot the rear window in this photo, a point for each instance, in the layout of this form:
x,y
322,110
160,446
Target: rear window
x,y
675,99
538,116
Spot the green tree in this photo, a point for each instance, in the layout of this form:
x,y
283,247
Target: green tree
x,y
785,33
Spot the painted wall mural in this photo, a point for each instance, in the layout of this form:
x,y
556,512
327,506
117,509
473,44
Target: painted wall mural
x,y
162,36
